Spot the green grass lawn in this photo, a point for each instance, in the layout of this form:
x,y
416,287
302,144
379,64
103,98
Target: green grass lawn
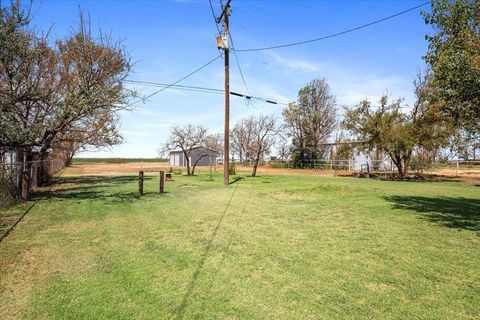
x,y
272,247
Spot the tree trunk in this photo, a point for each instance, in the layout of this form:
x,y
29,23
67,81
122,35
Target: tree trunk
x,y
43,173
25,174
254,172
406,162
399,166
255,166
187,160
194,165
69,157
69,160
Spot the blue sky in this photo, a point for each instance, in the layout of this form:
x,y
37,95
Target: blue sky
x,y
169,39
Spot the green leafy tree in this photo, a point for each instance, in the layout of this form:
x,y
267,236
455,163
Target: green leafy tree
x,y
310,121
454,58
393,129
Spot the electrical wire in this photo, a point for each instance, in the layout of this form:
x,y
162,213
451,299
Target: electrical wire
x,y
174,83
233,46
214,16
335,34
238,63
221,91
205,90
176,86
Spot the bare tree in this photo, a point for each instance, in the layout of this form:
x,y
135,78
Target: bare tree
x,y
212,144
186,138
240,137
258,136
283,147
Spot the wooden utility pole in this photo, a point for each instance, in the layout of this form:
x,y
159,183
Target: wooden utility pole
x,y
226,135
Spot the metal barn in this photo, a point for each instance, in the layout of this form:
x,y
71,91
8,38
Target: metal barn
x,y
205,156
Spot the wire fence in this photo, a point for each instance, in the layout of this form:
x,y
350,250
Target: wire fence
x,y
18,177
374,167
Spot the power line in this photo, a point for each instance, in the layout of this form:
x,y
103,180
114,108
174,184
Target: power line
x,y
179,80
335,34
205,90
176,86
221,91
214,16
233,47
238,63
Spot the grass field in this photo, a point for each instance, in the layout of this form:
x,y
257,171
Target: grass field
x,y
271,247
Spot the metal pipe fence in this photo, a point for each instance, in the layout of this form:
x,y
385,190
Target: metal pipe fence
x,y
369,166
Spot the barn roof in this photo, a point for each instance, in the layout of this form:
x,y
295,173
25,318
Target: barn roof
x,y
178,150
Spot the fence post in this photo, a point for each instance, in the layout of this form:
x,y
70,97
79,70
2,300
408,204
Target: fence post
x,y
162,181
34,176
457,168
26,182
140,183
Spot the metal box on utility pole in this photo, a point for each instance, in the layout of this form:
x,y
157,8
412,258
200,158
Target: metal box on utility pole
x,y
222,41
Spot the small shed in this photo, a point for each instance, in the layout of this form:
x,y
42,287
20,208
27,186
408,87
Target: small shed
x,y
204,155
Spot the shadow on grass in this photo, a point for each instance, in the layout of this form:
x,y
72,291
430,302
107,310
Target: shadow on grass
x,y
458,213
92,187
92,180
78,188
79,194
235,180
192,283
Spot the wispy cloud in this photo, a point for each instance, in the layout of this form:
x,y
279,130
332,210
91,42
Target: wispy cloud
x,y
349,84
294,64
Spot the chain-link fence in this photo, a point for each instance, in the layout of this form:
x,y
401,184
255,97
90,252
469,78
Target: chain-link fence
x,y
18,179
10,182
